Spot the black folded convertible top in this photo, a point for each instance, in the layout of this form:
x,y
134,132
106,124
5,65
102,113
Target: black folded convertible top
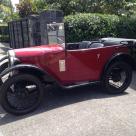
x,y
114,41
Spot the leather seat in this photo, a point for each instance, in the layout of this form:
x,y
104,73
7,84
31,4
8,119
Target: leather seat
x,y
88,44
84,44
96,45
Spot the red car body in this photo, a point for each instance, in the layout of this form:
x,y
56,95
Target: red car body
x,y
108,62
80,65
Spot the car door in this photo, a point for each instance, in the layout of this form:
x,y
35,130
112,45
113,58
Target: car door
x,y
82,64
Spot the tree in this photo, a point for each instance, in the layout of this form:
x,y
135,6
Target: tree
x,y
118,7
93,6
6,9
28,7
25,8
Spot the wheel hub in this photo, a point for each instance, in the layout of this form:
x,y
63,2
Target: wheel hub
x,y
21,93
116,77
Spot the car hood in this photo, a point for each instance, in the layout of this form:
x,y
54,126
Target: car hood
x,y
37,50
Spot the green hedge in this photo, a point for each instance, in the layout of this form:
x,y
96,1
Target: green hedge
x,y
4,30
4,38
90,26
4,33
126,27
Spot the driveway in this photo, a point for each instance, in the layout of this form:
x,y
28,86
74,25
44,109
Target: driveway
x,y
77,112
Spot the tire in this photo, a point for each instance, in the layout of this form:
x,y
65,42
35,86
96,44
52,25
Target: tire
x,y
114,73
20,93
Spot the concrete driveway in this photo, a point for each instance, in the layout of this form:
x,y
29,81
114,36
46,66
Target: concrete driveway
x,y
78,112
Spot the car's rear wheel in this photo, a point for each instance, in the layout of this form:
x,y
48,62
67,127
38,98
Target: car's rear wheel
x,y
117,77
21,94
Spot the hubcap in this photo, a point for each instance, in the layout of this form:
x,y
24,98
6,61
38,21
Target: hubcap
x,y
117,77
22,95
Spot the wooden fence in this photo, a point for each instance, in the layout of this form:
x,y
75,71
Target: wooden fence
x,y
32,31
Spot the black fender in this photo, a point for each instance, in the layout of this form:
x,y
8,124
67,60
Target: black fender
x,y
119,57
28,68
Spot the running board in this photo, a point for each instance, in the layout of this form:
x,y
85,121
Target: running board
x,y
80,85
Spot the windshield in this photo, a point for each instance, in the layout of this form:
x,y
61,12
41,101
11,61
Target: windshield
x,y
56,33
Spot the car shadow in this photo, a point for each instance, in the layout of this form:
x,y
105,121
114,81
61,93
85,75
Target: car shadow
x,y
56,98
133,83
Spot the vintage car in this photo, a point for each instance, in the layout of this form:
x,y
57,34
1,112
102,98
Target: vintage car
x,y
108,61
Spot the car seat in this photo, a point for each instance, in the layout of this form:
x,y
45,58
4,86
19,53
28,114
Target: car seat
x,y
84,44
96,45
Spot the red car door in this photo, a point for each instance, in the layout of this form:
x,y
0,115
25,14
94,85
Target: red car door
x,y
82,65
74,66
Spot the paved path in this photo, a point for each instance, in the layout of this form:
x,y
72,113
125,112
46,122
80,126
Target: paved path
x,y
78,112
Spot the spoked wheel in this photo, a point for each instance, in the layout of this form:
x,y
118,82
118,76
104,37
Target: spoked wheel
x,y
21,94
118,77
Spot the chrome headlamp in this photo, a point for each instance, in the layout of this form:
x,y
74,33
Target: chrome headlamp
x,y
11,55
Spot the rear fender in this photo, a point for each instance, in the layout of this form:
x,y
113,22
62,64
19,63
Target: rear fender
x,y
119,57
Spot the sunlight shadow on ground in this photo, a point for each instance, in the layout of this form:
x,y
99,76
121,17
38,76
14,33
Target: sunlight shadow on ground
x,y
133,83
59,98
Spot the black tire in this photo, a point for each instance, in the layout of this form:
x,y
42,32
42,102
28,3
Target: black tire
x,y
16,82
115,76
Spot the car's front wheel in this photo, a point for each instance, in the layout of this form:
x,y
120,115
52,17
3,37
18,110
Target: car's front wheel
x,y
117,77
21,94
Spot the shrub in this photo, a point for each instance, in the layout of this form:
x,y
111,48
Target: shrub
x,y
90,26
4,29
126,28
4,38
4,33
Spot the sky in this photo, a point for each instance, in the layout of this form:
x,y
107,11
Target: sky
x,y
14,2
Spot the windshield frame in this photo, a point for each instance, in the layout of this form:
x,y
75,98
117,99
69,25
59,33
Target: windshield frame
x,y
51,29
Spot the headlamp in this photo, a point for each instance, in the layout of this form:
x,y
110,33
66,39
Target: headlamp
x,y
11,55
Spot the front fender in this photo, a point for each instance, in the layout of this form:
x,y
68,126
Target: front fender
x,y
27,67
